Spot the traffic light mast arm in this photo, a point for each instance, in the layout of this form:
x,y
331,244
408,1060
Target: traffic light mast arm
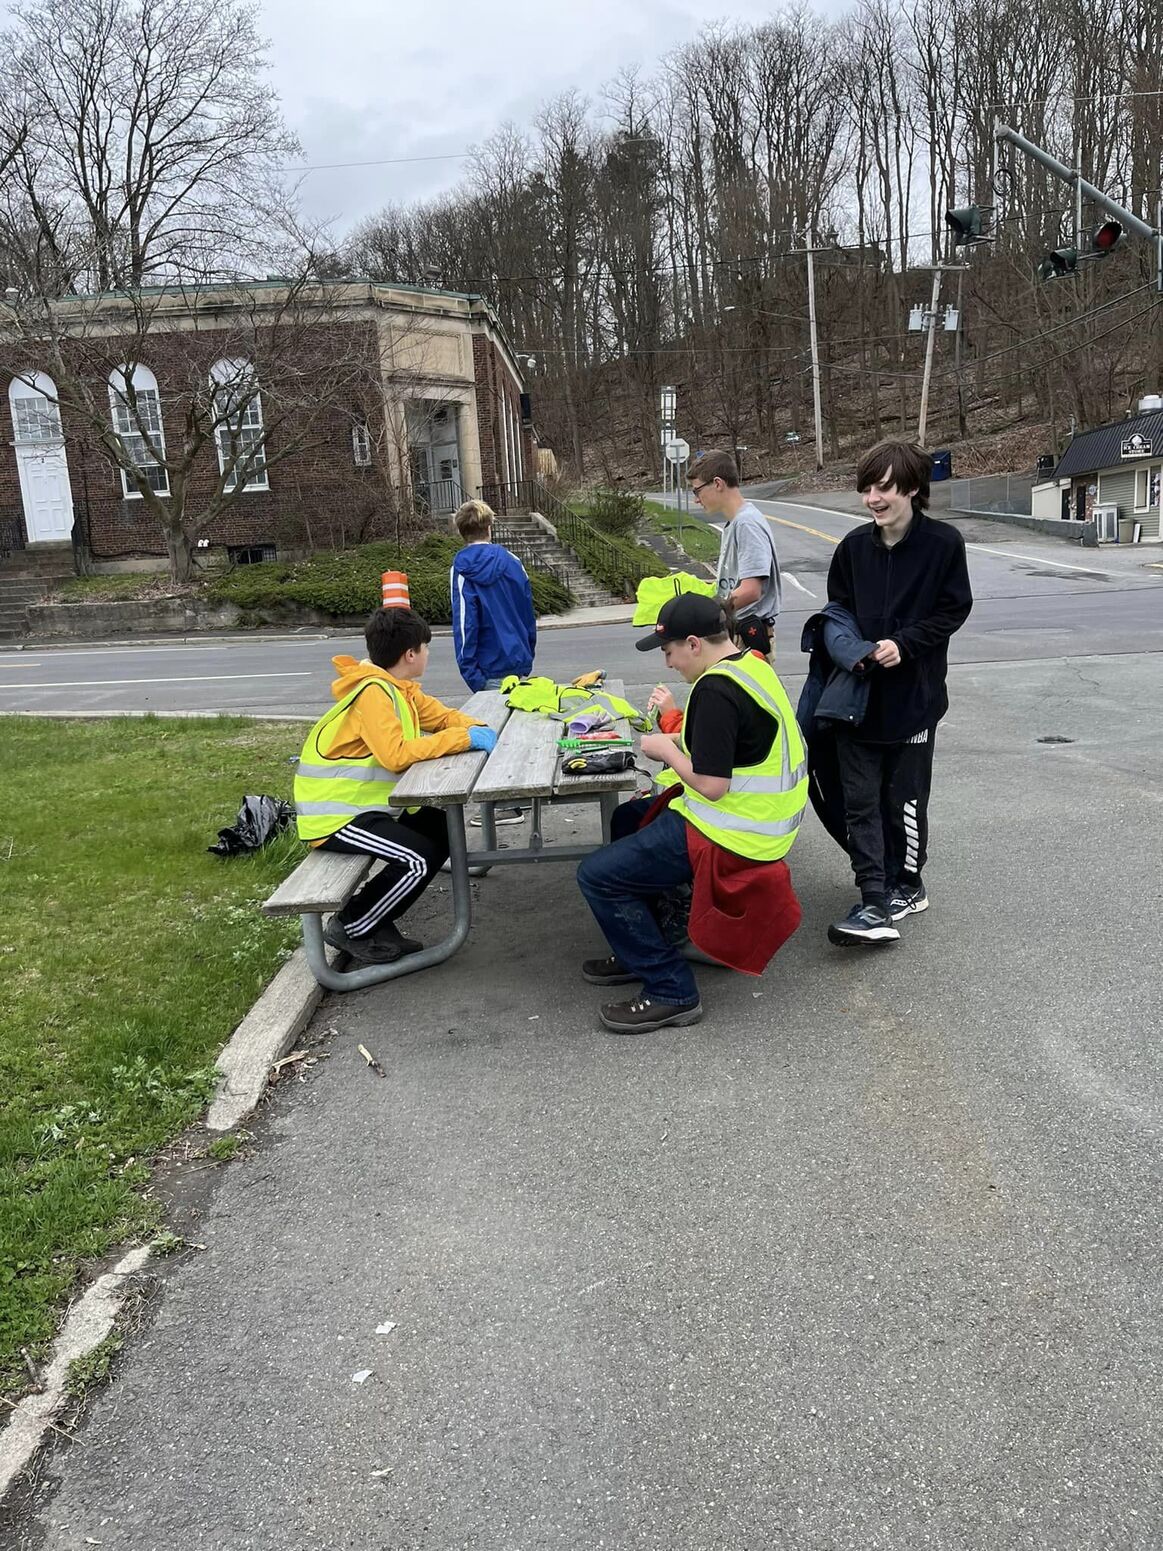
x,y
1003,132
1132,223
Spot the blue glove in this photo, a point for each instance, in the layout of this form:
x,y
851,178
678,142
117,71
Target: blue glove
x,y
482,738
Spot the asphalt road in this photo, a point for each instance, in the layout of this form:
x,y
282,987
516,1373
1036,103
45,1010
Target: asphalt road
x,y
869,1260
1035,598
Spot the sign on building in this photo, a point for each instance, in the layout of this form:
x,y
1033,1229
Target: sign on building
x,y
1137,446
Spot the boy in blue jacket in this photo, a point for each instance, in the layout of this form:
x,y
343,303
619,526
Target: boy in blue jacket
x,y
494,628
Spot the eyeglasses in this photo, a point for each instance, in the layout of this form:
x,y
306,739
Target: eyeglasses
x,y
698,489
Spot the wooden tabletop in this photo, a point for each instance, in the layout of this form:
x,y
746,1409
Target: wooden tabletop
x,y
526,762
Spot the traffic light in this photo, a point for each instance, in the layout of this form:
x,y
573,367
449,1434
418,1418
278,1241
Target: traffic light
x,y
965,225
1104,237
1062,261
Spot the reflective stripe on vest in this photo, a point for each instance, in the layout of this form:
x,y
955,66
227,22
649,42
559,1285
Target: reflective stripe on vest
x,y
329,793
759,814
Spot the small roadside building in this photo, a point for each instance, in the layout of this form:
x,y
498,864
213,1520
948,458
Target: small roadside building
x,y
1118,465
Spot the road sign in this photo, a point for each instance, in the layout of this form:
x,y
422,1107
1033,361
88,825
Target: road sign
x,y
678,451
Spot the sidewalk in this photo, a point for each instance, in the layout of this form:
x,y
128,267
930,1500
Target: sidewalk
x,y
834,1267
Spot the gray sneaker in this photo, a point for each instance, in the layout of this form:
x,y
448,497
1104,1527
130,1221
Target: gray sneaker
x,y
869,924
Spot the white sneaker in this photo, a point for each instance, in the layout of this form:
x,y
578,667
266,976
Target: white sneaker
x,y
501,816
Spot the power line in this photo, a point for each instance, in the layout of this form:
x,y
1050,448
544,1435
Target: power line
x,y
383,161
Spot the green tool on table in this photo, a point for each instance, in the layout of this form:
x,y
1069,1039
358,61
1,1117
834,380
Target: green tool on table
x,y
595,742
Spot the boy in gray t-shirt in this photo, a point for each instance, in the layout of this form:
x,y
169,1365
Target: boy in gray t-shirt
x,y
748,573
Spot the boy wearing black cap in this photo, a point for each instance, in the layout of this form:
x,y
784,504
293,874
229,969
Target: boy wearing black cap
x,y
741,788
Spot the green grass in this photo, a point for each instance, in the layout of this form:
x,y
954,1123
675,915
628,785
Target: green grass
x,y
700,541
117,588
128,956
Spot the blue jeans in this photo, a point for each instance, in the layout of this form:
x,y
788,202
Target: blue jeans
x,y
620,881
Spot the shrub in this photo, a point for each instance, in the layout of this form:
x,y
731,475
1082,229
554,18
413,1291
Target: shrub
x,y
615,511
347,582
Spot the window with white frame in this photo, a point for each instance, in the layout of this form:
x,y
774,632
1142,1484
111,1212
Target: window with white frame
x,y
135,407
1147,481
361,444
238,426
36,418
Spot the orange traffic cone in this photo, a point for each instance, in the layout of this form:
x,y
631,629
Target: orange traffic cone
x,y
396,590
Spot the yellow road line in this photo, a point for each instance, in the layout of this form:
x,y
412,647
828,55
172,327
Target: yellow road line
x,y
800,528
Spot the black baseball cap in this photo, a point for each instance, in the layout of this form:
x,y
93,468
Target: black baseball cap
x,y
691,613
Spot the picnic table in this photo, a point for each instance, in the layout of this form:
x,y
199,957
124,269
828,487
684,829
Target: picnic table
x,y
524,768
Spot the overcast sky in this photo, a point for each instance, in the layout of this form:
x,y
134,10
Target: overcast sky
x,y
362,80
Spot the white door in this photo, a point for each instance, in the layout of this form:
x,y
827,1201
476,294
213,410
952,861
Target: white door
x,y
41,459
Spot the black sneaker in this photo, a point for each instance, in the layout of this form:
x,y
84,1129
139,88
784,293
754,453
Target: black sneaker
x,y
863,924
607,972
907,899
643,1015
389,932
384,946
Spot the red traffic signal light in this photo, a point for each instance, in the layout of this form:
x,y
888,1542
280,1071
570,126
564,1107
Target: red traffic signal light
x,y
1106,236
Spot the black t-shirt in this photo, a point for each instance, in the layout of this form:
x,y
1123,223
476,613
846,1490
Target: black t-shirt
x,y
725,729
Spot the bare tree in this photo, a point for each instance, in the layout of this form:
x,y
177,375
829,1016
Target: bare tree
x,y
141,139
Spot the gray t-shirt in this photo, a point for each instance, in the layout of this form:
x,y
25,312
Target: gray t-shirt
x,y
748,549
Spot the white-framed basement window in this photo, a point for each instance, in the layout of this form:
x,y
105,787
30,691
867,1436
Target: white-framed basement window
x,y
135,408
238,425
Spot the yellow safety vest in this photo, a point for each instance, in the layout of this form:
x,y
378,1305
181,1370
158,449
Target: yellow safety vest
x,y
654,591
329,791
760,813
562,702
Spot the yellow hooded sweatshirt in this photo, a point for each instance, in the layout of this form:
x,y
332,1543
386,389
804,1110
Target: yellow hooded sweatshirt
x,y
371,726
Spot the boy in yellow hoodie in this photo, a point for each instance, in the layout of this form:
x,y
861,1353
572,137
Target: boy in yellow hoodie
x,y
382,723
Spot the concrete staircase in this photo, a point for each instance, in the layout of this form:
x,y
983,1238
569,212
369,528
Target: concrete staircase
x,y
26,575
537,549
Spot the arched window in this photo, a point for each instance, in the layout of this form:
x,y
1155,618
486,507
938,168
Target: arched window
x,y
238,428
135,406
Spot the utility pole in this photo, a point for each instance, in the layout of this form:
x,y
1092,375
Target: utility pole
x,y
962,427
809,250
922,419
928,320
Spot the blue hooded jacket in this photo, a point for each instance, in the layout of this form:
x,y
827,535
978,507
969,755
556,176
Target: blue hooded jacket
x,y
494,627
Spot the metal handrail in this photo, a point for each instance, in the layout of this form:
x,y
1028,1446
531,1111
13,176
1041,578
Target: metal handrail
x,y
528,554
437,496
11,535
620,567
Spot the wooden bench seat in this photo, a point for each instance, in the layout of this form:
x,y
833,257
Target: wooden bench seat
x,y
322,882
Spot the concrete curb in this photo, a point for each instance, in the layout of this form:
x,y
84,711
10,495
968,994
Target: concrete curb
x,y
608,615
267,1032
89,1322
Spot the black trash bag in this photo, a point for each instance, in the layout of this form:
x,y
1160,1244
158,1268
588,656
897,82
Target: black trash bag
x,y
259,820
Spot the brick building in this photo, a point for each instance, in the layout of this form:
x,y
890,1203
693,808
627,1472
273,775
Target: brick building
x,y
361,400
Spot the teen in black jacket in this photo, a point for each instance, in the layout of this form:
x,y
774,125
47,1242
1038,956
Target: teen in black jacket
x,y
905,579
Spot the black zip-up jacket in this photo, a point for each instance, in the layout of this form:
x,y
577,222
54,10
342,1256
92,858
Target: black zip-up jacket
x,y
917,594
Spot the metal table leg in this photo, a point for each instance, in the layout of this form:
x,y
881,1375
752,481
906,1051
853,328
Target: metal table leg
x,y
374,974
609,803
